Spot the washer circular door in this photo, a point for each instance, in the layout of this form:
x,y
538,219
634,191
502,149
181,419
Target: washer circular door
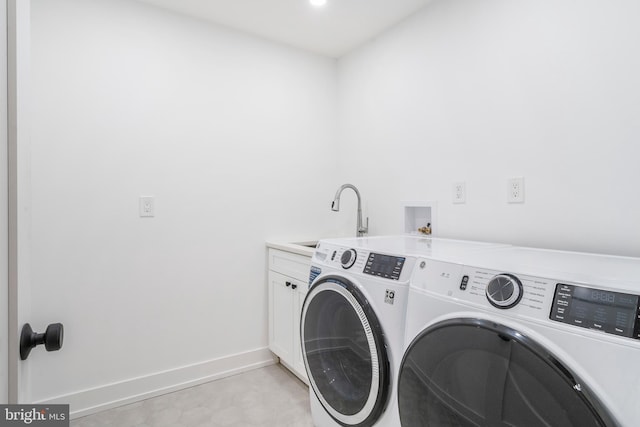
x,y
474,372
344,353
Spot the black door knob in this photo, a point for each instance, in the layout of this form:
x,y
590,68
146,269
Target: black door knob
x,y
52,339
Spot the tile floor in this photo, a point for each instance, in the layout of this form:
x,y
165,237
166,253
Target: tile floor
x,y
270,396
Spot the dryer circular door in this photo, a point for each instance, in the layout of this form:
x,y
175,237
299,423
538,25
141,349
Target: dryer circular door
x,y
344,352
475,372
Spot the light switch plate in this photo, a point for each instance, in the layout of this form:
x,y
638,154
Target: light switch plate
x,y
147,206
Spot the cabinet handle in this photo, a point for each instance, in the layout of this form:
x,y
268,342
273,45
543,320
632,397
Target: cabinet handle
x,y
287,284
293,286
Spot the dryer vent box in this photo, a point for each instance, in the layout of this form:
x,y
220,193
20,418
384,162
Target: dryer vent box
x,y
420,218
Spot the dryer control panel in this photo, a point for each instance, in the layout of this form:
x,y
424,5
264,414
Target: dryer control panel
x,y
611,312
513,294
541,299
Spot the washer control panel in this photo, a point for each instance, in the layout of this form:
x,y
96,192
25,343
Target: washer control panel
x,y
348,258
387,266
361,261
611,312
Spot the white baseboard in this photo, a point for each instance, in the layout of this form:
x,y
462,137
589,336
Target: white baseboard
x,y
109,396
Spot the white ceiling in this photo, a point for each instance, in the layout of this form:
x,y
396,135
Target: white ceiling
x,y
332,30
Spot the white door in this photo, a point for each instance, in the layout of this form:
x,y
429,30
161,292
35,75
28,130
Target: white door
x,y
4,290
14,196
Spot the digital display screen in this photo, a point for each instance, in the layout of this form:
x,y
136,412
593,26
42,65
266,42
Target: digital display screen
x,y
385,266
611,312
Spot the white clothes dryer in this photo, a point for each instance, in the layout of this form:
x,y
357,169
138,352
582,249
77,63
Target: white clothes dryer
x,y
522,337
353,321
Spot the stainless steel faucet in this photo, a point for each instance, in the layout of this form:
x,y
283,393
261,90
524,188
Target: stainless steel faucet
x,y
335,206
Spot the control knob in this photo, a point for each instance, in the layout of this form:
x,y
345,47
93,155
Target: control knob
x,y
504,291
348,258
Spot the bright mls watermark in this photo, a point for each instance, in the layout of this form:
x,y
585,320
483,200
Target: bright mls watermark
x,y
34,415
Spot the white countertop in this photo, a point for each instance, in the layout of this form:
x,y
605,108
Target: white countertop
x,y
300,248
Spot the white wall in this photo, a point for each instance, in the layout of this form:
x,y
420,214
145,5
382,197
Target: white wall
x,y
234,136
480,91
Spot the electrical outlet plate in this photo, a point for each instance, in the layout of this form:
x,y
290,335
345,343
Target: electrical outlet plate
x,y
515,190
146,206
459,192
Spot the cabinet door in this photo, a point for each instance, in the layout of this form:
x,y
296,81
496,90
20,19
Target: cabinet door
x,y
281,299
298,363
291,265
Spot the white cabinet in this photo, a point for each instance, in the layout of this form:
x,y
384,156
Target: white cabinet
x,y
288,283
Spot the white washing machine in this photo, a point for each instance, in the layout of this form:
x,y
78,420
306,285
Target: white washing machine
x,y
353,320
522,337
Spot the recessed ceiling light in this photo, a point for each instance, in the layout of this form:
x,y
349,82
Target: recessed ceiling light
x,y
318,3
